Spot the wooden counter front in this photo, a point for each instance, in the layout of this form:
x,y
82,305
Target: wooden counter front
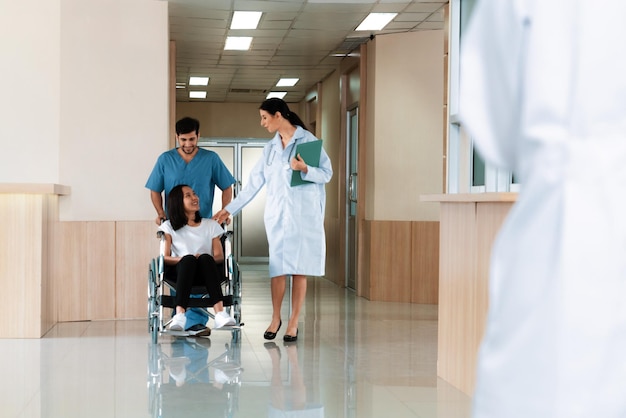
x,y
468,226
29,213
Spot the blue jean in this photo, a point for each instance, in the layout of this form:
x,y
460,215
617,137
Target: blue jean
x,y
194,316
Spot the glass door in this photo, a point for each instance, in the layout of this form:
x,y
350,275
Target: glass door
x,y
240,156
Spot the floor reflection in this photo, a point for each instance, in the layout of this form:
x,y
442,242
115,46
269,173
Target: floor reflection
x,y
184,380
289,398
353,358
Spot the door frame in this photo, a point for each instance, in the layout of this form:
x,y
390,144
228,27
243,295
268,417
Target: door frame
x,y
353,109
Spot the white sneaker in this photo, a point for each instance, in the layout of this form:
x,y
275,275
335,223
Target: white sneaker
x,y
222,319
178,322
178,369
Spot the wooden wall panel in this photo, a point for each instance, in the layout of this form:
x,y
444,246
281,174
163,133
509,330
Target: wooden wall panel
x,y
399,261
85,271
390,261
100,269
67,268
136,244
425,262
334,268
364,257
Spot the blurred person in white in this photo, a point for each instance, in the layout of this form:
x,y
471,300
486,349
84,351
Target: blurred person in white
x,y
543,93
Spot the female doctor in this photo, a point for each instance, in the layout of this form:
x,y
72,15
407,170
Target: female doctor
x,y
294,216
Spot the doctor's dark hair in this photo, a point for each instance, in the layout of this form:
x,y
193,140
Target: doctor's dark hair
x,y
275,104
187,125
176,208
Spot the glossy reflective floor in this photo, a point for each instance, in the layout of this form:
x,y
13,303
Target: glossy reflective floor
x,y
353,358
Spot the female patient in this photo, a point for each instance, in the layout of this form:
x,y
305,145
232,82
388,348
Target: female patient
x,y
192,251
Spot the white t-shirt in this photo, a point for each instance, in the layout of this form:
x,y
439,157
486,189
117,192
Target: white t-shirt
x,y
193,239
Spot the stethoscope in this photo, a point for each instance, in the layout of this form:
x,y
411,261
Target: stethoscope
x,y
270,155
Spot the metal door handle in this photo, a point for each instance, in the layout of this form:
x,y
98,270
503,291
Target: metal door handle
x,y
352,187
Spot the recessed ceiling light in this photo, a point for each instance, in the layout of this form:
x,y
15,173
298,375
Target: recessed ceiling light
x,y
239,43
198,81
197,94
376,21
279,94
180,85
287,82
245,20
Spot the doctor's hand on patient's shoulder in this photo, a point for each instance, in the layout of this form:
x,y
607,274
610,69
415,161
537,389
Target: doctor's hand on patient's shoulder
x,y
298,164
222,216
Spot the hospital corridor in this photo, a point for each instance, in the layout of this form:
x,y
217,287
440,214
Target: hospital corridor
x,y
353,358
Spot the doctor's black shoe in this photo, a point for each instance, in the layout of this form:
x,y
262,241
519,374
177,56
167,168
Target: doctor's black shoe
x,y
290,338
269,335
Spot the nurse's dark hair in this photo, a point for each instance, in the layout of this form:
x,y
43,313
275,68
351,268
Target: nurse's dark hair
x,y
176,208
275,104
187,125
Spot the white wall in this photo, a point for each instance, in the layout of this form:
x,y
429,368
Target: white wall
x,y
114,106
408,125
29,80
225,120
84,101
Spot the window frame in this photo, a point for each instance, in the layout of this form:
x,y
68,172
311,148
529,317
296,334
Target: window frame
x,y
460,145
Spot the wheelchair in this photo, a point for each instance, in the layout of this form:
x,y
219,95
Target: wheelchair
x,y
159,300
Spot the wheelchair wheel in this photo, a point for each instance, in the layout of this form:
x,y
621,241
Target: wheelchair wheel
x,y
153,309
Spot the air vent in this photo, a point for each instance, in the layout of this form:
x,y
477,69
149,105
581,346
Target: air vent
x,y
248,91
349,44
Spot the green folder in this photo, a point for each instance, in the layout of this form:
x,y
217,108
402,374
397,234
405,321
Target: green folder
x,y
310,152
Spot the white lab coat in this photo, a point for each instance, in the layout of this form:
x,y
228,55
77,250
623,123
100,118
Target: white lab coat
x,y
543,92
294,216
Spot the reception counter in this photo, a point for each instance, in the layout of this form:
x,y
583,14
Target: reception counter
x,y
28,214
468,226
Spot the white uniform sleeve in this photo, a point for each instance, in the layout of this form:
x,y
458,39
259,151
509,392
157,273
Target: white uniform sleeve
x,y
321,174
253,186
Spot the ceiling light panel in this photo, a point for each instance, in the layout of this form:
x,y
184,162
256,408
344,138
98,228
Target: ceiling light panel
x,y
278,94
376,21
287,82
197,94
198,81
245,20
238,43
344,1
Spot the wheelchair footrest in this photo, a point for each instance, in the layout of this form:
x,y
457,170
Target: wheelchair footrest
x,y
170,302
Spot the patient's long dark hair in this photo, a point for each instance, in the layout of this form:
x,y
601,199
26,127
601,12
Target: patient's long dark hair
x,y
275,104
176,208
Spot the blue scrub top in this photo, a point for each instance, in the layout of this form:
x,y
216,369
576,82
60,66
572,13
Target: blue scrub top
x,y
205,171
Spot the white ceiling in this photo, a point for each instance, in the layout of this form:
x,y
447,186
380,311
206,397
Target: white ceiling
x,y
295,38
